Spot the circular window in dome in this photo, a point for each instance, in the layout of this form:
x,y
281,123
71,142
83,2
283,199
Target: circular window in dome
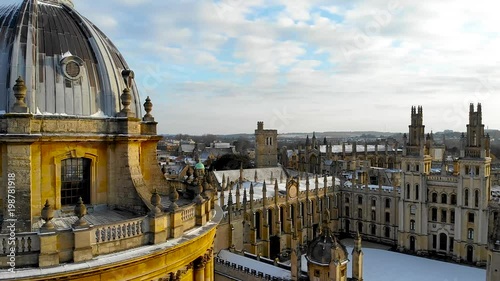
x,y
72,67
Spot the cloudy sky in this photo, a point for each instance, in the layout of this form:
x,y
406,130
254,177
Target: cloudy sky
x,y
308,65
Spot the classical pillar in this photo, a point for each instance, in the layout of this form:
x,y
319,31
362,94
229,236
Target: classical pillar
x,y
208,267
199,271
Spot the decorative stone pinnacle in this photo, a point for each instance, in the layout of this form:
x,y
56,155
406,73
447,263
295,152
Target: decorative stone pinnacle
x,y
174,196
47,216
80,212
148,106
20,93
126,97
155,201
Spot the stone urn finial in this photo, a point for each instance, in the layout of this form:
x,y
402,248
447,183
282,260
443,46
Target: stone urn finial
x,y
156,202
47,216
198,191
148,107
174,196
80,212
126,97
20,93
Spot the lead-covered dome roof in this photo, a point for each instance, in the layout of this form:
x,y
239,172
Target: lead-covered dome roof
x,y
69,66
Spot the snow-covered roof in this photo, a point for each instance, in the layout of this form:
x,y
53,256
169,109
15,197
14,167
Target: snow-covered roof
x,y
265,174
256,265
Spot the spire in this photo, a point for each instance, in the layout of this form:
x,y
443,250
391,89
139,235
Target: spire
x,y
357,242
241,172
223,185
238,204
255,178
307,141
264,189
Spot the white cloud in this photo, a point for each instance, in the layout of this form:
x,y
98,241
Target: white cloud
x,y
231,55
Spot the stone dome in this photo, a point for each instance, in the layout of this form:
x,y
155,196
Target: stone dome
x,y
325,249
69,66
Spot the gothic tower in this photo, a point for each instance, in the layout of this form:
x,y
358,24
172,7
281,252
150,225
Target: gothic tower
x,y
493,260
473,189
415,165
266,147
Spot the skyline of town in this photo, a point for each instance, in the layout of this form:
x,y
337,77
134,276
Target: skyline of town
x,y
306,67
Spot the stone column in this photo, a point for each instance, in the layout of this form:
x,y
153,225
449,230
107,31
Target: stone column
x,y
199,271
208,267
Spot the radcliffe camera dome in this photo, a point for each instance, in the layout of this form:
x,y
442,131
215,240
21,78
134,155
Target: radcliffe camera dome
x,y
69,66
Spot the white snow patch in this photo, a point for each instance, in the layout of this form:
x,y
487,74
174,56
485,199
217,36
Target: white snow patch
x,y
99,114
381,265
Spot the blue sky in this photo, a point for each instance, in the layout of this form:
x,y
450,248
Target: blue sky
x,y
307,65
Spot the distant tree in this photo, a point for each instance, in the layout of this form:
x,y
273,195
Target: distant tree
x,y
242,144
231,162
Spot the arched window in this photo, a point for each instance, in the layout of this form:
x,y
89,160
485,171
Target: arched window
x,y
466,198
387,217
75,180
434,197
470,233
444,198
282,219
434,214
360,213
408,191
444,214
374,202
270,220
360,200
443,240
471,217
360,227
476,198
257,225
387,203
417,192
417,167
347,213
412,224
413,209
373,229
387,232
453,199
374,215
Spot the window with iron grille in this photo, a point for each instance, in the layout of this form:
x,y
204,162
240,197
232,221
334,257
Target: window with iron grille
x,y
75,180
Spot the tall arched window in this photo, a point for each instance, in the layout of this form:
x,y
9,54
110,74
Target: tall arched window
x,y
75,180
476,198
412,224
417,191
434,197
470,233
408,191
257,225
444,198
270,221
466,198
